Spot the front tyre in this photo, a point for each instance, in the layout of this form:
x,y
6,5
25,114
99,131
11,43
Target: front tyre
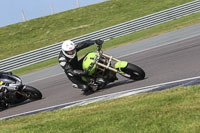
x,y
135,72
32,93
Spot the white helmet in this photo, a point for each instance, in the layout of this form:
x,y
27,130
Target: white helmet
x,y
68,49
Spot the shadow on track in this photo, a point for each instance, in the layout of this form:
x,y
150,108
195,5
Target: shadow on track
x,y
111,85
18,104
114,84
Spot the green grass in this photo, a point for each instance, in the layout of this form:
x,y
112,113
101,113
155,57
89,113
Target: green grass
x,y
156,30
23,37
174,110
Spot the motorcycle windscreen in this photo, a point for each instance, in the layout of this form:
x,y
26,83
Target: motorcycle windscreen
x,y
88,60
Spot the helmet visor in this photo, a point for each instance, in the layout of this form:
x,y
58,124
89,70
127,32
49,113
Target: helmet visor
x,y
70,52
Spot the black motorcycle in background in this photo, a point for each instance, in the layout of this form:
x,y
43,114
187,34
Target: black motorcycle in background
x,y
12,91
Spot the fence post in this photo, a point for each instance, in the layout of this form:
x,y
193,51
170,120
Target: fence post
x,y
23,16
52,9
77,2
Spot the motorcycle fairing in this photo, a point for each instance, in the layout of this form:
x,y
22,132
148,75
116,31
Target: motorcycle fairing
x,y
87,62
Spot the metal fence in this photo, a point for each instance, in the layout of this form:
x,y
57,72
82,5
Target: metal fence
x,y
122,29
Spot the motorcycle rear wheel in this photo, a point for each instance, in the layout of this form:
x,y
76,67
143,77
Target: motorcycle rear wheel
x,y
32,93
135,72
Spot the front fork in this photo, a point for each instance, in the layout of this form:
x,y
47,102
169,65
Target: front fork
x,y
118,65
109,62
20,91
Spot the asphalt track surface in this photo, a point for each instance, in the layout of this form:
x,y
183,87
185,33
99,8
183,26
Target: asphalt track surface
x,y
176,61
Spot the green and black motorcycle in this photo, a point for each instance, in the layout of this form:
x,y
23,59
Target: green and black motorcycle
x,y
102,69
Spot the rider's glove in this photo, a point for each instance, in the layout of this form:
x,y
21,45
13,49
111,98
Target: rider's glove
x,y
99,42
79,72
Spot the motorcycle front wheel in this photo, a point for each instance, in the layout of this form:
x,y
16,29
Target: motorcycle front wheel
x,y
32,93
135,72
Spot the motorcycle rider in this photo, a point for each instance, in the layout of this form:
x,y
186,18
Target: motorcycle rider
x,y
68,60
3,91
4,86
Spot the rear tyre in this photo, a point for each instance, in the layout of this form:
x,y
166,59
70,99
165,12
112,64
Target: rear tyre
x,y
135,72
32,93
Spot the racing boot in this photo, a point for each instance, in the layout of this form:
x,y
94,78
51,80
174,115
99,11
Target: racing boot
x,y
84,88
101,82
74,85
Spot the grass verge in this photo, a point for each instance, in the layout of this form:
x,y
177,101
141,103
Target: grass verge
x,y
174,110
23,37
156,30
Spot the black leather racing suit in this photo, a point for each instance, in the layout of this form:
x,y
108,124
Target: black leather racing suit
x,y
73,67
